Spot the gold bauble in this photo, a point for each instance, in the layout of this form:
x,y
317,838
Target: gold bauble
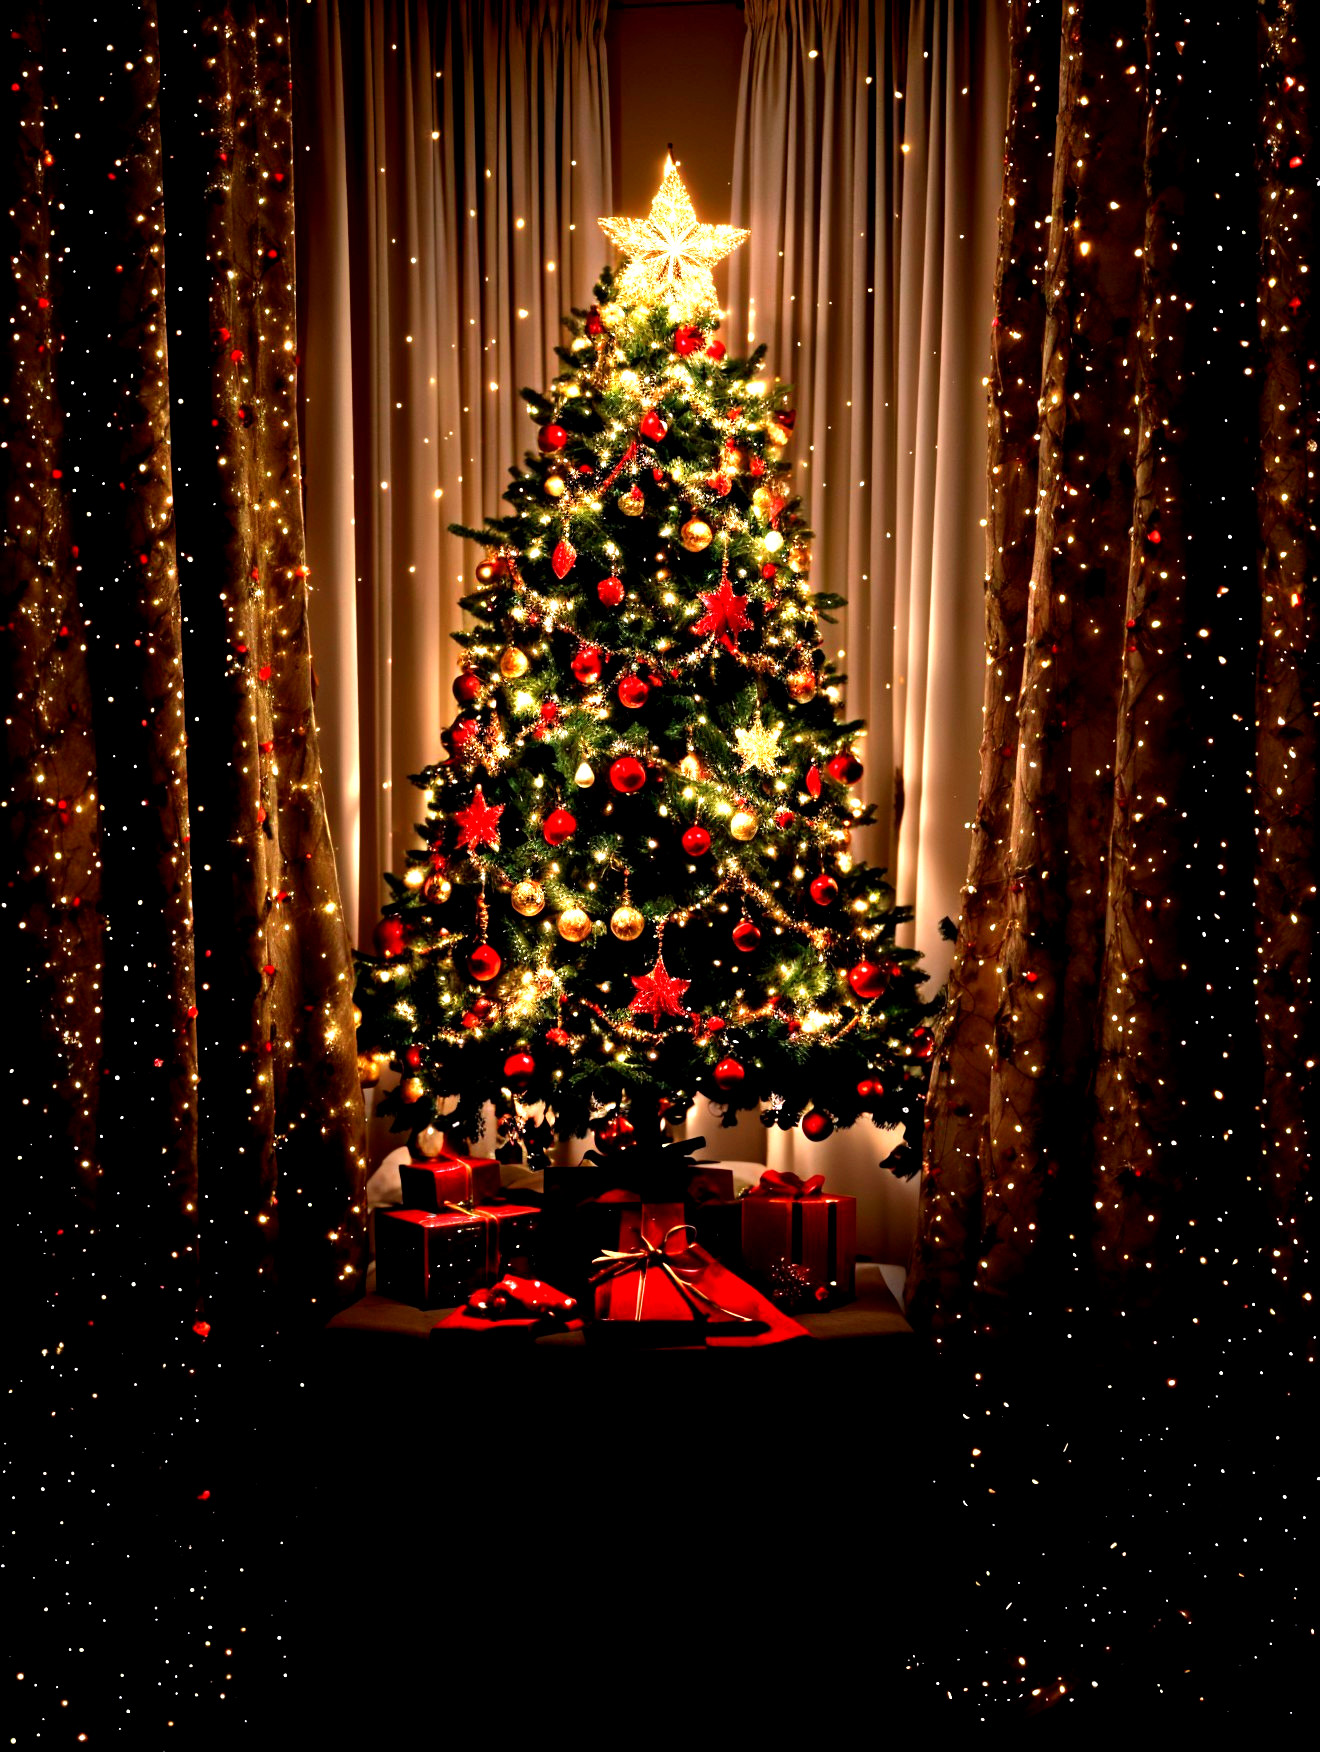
x,y
368,1070
414,876
690,766
357,1017
743,825
437,888
556,486
412,1089
528,898
763,501
584,778
514,662
776,433
630,506
612,315
574,925
627,923
735,458
696,535
802,686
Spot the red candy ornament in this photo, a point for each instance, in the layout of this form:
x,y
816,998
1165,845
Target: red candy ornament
x,y
817,1125
627,774
866,980
610,591
552,437
696,841
519,1067
484,963
813,781
652,427
729,1073
844,768
558,826
746,936
824,890
632,692
587,664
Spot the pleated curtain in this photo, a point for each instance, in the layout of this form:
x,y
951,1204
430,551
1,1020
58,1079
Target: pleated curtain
x,y
454,160
868,163
1123,1102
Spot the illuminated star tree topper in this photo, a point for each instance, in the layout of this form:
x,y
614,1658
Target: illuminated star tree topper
x,y
669,254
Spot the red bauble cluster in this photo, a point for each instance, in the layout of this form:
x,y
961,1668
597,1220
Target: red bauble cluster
x,y
558,826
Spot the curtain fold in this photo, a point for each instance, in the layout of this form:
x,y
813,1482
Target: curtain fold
x,y
189,1115
867,165
457,158
1125,1061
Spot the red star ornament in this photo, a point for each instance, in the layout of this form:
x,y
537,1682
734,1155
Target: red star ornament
x,y
726,615
479,823
658,992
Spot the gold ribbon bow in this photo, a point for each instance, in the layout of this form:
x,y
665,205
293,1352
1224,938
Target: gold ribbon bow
x,y
614,1262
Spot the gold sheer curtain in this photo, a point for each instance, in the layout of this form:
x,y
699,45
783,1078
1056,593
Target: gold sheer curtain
x,y
453,161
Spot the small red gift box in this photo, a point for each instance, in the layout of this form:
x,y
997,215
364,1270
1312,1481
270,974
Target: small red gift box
x,y
434,1259
449,1179
788,1219
658,1287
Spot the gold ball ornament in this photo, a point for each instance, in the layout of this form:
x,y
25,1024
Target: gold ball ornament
x,y
368,1070
357,1017
777,434
514,662
631,504
528,898
763,502
736,458
743,825
412,1089
627,923
691,767
584,778
801,686
556,486
437,888
574,925
696,535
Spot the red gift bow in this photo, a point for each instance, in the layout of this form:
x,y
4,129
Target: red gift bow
x,y
515,1298
773,1184
649,1253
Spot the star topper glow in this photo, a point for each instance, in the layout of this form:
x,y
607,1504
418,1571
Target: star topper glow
x,y
669,255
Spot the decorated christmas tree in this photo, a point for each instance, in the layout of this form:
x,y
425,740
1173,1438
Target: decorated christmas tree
x,y
635,882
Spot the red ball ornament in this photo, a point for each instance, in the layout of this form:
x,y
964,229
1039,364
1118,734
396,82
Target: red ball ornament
x,y
467,687
616,1134
587,665
652,427
687,340
716,350
463,732
627,774
784,817
519,1067
552,437
594,324
390,936
610,591
696,841
557,827
824,890
413,1057
632,692
746,936
844,768
817,1125
483,963
729,1073
481,1008
867,980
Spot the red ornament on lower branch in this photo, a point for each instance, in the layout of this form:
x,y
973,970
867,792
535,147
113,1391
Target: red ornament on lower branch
x,y
610,591
519,1068
484,963
633,692
729,1074
867,980
390,937
558,826
824,890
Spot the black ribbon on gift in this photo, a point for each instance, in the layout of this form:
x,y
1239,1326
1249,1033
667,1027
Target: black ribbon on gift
x,y
614,1262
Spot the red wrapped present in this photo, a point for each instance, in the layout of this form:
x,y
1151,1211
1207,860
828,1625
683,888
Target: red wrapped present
x,y
449,1179
434,1259
659,1287
516,1305
787,1220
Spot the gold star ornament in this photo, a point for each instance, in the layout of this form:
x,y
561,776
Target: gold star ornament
x,y
668,255
758,746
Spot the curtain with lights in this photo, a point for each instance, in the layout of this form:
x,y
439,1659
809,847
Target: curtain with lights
x,y
867,166
455,159
1122,1102
185,1117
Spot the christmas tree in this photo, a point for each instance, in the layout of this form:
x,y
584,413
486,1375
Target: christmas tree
x,y
636,883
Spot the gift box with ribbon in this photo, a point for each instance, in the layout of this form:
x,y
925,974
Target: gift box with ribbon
x,y
788,1220
435,1259
515,1307
449,1179
657,1286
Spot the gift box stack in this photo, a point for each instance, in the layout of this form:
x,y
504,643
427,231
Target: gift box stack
x,y
653,1249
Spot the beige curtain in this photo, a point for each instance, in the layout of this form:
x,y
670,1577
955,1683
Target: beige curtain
x,y
867,165
454,159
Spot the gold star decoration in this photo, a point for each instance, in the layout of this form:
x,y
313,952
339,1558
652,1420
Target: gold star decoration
x,y
758,747
669,255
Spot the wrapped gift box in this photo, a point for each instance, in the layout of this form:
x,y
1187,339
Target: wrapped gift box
x,y
805,1226
435,1259
445,1180
657,1287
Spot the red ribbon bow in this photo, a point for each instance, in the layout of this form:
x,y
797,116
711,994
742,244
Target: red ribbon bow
x,y
773,1184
